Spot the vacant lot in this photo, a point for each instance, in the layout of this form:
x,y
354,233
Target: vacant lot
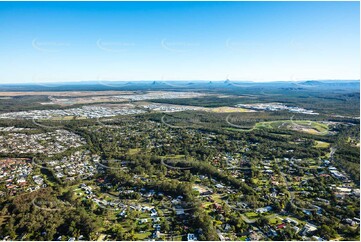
x,y
229,110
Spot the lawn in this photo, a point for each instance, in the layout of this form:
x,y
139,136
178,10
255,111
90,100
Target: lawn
x,y
172,156
133,151
101,237
251,215
177,238
275,220
321,144
142,236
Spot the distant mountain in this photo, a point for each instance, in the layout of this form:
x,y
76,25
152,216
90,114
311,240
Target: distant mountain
x,y
185,85
331,84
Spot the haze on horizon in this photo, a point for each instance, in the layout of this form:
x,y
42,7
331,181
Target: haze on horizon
x,y
130,41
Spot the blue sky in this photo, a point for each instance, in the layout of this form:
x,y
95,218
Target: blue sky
x,y
257,41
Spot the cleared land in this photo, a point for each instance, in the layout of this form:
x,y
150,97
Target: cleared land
x,y
229,110
310,127
306,126
321,144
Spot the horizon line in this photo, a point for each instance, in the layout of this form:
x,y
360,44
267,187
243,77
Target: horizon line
x,y
226,80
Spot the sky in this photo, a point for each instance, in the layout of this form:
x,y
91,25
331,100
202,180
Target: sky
x,y
129,41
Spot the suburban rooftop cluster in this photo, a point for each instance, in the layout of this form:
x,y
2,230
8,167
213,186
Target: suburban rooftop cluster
x,y
276,107
47,143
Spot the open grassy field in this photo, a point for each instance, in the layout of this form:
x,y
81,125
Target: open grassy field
x,y
306,126
251,215
172,156
238,129
275,220
321,144
65,118
133,151
229,110
142,236
310,127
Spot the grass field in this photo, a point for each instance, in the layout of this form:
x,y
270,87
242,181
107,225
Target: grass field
x,y
62,118
275,220
306,126
172,156
238,129
142,236
243,238
321,144
251,215
229,110
177,238
133,151
101,237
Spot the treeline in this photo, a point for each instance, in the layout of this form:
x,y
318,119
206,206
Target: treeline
x,y
25,103
321,100
41,215
347,155
203,168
